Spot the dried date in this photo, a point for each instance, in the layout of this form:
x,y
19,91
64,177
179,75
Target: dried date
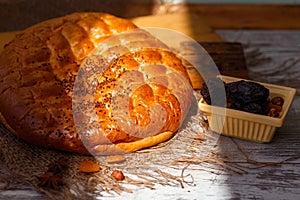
x,y
212,92
277,101
242,95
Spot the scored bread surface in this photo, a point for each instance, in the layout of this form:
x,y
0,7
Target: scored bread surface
x,y
38,70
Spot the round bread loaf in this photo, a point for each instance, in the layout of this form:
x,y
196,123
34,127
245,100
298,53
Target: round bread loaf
x,y
47,97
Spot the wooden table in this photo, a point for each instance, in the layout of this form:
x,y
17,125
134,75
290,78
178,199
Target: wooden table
x,y
281,181
273,169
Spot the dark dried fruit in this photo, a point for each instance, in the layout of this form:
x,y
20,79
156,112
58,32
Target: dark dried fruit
x,y
255,108
241,95
213,92
247,96
277,101
273,113
277,107
247,92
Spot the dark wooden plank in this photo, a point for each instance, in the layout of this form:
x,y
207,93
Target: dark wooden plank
x,y
227,56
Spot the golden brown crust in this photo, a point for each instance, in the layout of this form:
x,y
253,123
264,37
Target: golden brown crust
x,y
39,68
